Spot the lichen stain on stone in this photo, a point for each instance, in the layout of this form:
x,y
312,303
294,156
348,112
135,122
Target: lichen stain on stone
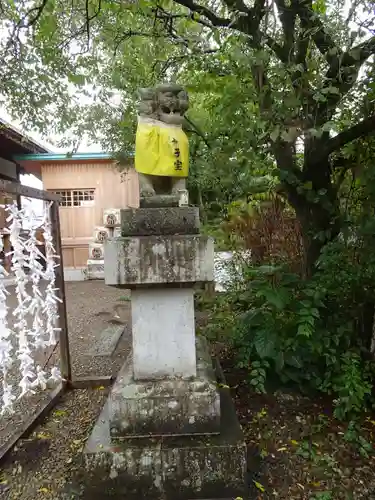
x,y
158,249
172,404
160,259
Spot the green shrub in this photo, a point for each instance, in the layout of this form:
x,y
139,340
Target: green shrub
x,y
305,333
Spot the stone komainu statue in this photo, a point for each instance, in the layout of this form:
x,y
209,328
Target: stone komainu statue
x,y
161,147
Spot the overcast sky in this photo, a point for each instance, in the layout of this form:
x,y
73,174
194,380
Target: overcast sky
x,y
31,180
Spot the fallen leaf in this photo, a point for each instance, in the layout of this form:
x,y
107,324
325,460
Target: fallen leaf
x,y
43,490
223,386
259,486
59,413
42,435
262,413
284,448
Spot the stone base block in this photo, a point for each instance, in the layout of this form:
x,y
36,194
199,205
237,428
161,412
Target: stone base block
x,y
160,200
159,221
95,269
189,468
146,261
166,407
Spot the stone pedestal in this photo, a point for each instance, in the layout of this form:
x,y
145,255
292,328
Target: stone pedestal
x,y
166,431
169,406
172,468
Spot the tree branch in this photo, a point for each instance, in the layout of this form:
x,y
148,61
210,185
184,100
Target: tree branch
x,y
247,24
38,10
237,5
278,49
355,57
195,130
361,129
311,23
342,74
205,11
288,21
164,15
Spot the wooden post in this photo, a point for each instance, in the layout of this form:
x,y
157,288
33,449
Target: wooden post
x,y
66,367
18,173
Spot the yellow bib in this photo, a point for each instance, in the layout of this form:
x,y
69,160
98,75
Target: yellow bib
x,y
161,150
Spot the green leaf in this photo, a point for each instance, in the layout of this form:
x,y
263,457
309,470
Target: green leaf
x,y
334,90
216,35
304,329
273,297
77,79
293,360
279,361
316,132
265,342
274,135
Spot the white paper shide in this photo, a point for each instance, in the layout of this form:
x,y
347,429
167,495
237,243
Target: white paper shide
x,y
34,327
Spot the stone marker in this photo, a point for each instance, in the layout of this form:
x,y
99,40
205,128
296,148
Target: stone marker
x,y
167,430
107,342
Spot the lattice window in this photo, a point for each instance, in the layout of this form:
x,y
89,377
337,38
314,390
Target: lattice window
x,y
76,197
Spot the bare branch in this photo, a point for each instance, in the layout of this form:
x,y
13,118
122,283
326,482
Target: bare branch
x,y
205,11
288,21
33,20
354,57
314,26
361,129
196,130
237,5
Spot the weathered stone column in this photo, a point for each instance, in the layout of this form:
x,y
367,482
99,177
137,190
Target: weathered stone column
x,y
161,257
160,265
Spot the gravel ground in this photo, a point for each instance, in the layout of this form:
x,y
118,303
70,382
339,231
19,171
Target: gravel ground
x,y
91,307
46,465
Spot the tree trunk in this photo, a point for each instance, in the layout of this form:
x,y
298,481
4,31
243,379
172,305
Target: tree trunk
x,y
319,220
310,192
319,225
